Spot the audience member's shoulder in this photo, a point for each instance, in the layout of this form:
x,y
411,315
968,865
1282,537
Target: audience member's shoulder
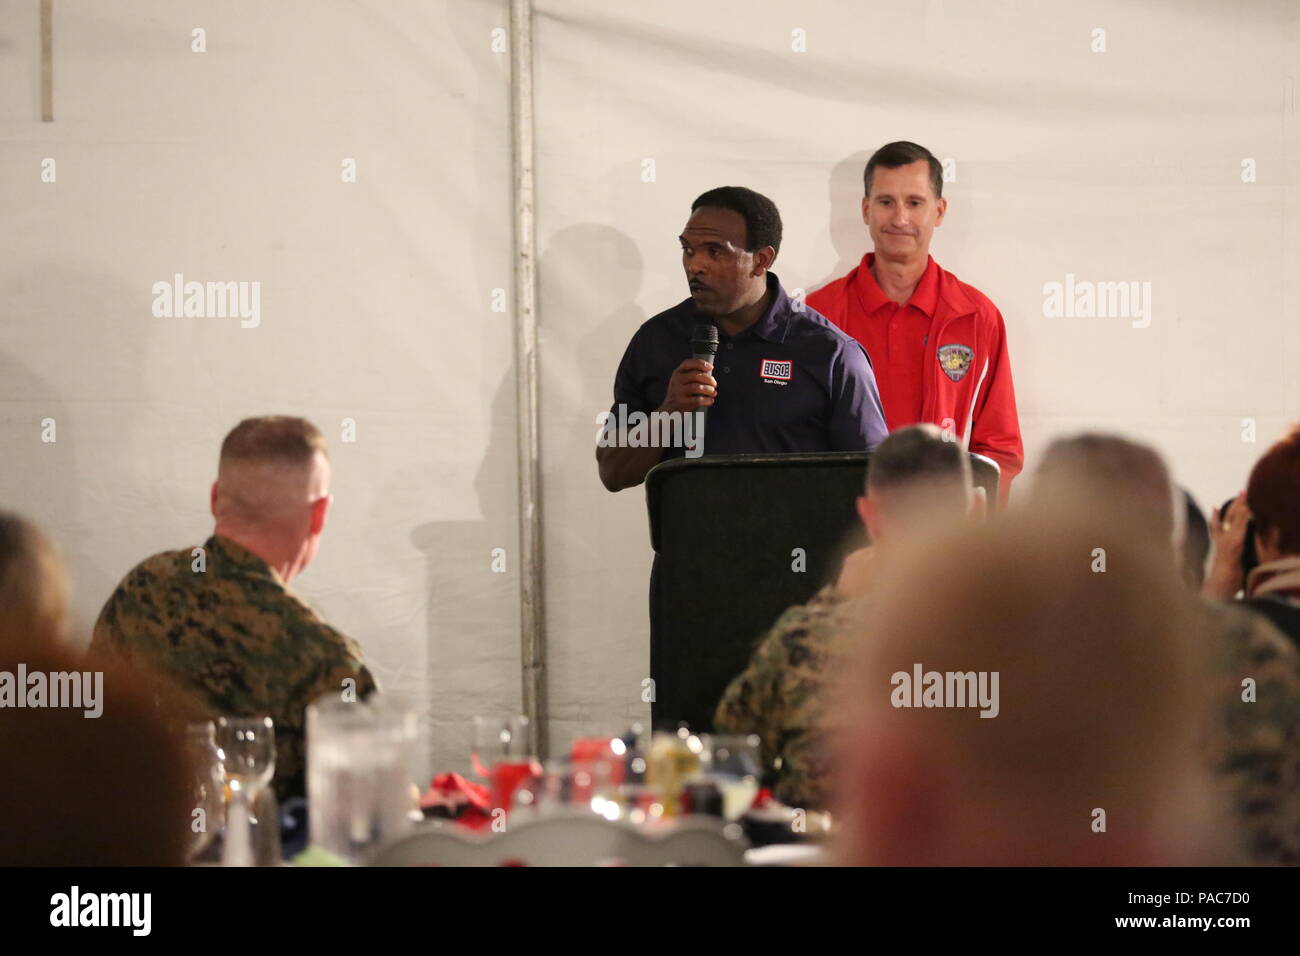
x,y
155,571
1246,636
325,640
814,620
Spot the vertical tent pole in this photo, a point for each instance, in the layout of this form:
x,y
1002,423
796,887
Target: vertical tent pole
x,y
532,616
47,61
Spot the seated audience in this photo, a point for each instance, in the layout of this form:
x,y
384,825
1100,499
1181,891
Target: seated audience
x,y
915,478
1061,725
33,585
220,621
84,790
1272,500
1254,745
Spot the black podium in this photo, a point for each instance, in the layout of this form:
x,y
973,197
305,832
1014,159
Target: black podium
x,y
730,533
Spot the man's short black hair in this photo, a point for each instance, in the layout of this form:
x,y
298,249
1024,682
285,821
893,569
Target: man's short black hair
x,y
903,153
916,454
762,221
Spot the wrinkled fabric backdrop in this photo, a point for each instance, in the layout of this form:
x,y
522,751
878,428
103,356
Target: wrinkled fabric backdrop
x,y
1101,141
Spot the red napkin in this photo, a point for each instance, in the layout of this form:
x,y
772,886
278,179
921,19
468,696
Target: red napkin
x,y
467,802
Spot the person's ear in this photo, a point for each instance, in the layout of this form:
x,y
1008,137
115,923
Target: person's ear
x,y
763,259
942,205
319,510
212,502
866,210
869,514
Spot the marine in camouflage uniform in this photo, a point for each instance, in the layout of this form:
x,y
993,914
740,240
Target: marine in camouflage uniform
x,y
235,641
1255,747
781,696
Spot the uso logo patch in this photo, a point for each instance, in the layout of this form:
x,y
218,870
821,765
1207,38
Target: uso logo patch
x,y
776,371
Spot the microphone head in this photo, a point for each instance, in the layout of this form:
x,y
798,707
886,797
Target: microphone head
x,y
704,339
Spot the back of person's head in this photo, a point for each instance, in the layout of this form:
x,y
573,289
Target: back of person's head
x,y
33,584
104,779
1196,542
1084,749
273,480
915,477
1273,496
1123,480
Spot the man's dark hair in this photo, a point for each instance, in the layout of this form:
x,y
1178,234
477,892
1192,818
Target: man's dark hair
x,y
903,153
917,453
762,221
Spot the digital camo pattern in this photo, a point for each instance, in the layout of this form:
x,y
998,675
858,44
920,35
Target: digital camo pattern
x,y
1255,747
781,696
234,640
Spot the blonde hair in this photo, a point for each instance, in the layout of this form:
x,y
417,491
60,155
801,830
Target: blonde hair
x,y
33,584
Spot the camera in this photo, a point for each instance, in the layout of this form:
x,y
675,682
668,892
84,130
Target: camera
x,y
1249,558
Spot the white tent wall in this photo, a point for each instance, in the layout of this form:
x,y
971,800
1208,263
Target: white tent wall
x,y
1122,165
376,305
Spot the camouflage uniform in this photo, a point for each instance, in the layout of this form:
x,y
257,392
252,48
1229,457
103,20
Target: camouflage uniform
x,y
235,641
781,696
1255,746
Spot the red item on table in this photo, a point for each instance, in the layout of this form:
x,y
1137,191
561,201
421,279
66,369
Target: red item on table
x,y
467,802
595,750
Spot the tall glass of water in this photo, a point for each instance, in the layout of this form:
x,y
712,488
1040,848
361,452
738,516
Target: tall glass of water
x,y
360,766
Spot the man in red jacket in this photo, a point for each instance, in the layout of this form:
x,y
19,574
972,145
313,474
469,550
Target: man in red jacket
x,y
937,345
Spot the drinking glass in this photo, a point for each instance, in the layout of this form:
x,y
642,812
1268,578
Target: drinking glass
x,y
731,761
360,764
503,756
205,787
247,749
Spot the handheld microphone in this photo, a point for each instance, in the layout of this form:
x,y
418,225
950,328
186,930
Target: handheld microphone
x,y
704,346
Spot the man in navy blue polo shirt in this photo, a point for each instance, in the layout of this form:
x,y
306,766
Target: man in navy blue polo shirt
x,y
784,379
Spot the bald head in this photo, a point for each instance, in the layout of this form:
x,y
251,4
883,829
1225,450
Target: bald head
x,y
1096,704
272,489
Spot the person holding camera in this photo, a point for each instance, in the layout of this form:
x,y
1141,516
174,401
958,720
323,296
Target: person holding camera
x,y
1265,519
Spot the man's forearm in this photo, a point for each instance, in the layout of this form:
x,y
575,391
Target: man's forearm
x,y
625,467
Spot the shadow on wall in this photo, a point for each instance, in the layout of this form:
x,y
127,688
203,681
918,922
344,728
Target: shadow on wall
x,y
849,236
590,278
470,613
